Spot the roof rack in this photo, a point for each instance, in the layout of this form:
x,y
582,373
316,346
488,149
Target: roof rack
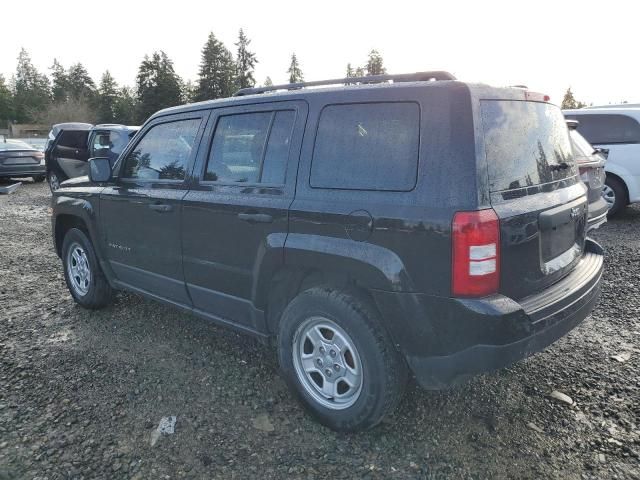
x,y
401,77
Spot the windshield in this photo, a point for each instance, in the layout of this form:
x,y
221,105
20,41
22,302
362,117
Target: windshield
x,y
14,145
526,144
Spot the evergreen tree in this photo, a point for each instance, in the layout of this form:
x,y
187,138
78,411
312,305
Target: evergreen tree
x,y
569,101
60,87
374,64
107,97
295,73
350,72
125,107
6,104
359,72
79,83
217,71
245,62
158,85
268,82
188,92
30,89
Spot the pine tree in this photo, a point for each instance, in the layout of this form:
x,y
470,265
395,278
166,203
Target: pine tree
x,y
374,64
125,107
295,73
350,72
107,97
217,71
245,62
188,91
268,82
30,89
569,102
80,85
158,85
60,87
6,103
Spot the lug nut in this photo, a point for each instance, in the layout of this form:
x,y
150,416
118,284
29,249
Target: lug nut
x,y
322,350
328,372
336,367
332,353
319,362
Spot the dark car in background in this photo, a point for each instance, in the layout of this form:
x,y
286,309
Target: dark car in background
x,y
591,162
70,145
19,159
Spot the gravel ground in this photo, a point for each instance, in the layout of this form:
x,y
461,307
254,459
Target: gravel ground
x,y
81,392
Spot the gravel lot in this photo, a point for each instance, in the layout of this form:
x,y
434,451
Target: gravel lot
x,y
82,392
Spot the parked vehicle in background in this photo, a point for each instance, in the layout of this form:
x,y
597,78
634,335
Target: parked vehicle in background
x,y
70,145
591,162
425,225
18,159
616,129
39,143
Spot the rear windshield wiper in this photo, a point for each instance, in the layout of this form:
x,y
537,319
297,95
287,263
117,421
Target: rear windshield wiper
x,y
560,166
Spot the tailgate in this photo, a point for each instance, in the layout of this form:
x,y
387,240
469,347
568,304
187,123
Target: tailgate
x,y
536,193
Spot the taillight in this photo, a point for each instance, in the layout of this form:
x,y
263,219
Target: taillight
x,y
476,253
536,97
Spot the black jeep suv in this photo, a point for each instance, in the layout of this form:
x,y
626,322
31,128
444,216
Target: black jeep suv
x,y
409,223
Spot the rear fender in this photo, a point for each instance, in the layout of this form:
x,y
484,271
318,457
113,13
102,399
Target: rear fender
x,y
371,266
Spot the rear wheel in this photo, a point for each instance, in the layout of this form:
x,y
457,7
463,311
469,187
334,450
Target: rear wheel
x,y
54,179
337,357
615,194
85,280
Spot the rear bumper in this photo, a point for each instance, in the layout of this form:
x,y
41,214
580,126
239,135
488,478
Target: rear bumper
x,y
453,339
597,214
22,170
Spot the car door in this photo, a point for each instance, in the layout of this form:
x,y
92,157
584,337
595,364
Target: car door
x,y
70,152
141,211
235,218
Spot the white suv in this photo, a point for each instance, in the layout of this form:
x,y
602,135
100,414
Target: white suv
x,y
616,128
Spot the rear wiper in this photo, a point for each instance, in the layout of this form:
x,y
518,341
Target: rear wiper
x,y
560,166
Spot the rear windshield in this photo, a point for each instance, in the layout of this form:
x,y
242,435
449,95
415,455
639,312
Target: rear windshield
x,y
14,145
526,143
581,148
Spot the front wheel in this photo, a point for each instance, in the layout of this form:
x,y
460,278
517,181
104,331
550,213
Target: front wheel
x,y
336,356
85,280
615,194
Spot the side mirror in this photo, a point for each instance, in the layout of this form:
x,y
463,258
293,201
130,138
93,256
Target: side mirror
x,y
99,169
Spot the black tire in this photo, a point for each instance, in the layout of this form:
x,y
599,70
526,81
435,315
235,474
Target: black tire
x,y
98,292
38,178
384,371
54,179
620,192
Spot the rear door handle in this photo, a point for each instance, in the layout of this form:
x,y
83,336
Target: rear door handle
x,y
255,217
160,207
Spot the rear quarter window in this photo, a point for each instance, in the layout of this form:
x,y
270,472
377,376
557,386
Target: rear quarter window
x,y
368,146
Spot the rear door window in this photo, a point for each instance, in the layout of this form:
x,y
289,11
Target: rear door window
x,y
608,129
251,148
368,146
526,144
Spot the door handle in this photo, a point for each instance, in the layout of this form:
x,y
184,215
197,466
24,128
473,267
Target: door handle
x,y
160,207
255,217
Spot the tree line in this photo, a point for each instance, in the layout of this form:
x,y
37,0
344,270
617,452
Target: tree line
x,y
70,94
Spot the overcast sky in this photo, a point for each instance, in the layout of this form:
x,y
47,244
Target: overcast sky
x,y
547,45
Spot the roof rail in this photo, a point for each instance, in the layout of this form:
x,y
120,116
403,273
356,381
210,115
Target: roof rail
x,y
401,77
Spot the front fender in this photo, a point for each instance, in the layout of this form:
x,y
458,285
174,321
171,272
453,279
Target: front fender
x,y
83,206
372,266
626,177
